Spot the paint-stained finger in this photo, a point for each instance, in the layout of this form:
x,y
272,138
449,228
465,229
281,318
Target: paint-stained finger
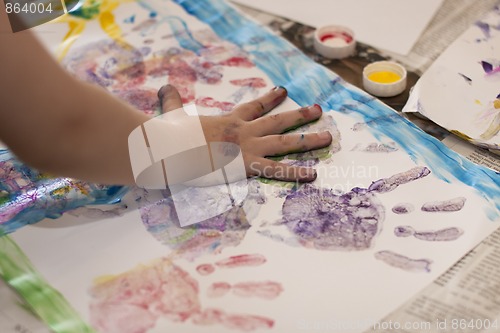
x,y
282,122
169,98
262,105
263,167
274,145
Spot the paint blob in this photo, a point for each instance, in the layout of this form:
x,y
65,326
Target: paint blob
x,y
265,290
384,77
452,205
403,208
447,234
391,183
402,262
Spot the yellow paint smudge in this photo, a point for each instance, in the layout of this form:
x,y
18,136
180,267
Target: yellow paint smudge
x,y
461,135
81,186
61,191
77,25
496,103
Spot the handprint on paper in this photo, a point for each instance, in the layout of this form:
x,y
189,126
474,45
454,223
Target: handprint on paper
x,y
321,219
132,302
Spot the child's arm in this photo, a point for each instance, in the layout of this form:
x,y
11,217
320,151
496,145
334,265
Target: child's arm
x,y
56,123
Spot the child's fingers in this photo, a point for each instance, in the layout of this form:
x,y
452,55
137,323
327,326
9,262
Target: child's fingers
x,y
262,105
281,122
169,98
266,168
274,145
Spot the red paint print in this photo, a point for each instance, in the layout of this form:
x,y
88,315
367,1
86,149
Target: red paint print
x,y
218,289
205,269
209,317
247,322
180,73
125,318
144,100
134,301
254,82
183,77
121,71
208,72
266,289
209,102
237,62
239,322
243,260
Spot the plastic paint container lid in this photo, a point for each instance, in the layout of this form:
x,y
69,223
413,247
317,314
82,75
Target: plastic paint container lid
x,y
384,78
334,41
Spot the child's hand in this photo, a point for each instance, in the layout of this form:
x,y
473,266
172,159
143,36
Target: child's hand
x,y
260,136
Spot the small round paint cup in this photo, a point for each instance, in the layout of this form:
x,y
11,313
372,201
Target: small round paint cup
x,y
384,78
334,41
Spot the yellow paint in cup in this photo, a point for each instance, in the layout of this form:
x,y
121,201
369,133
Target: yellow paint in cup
x,y
384,77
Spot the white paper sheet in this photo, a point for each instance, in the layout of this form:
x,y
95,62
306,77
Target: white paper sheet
x,y
461,90
393,25
323,291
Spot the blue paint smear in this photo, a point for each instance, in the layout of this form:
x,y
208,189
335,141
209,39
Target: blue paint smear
x,y
179,27
27,196
308,83
183,35
485,28
130,20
